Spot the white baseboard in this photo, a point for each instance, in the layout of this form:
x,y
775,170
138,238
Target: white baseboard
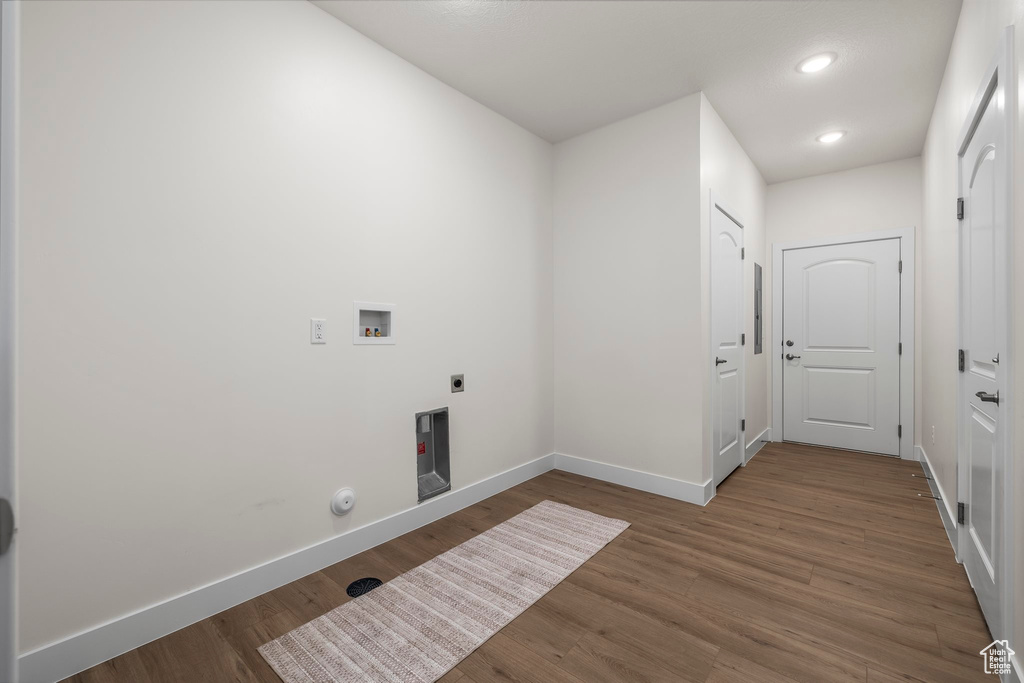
x,y
946,513
756,444
698,494
84,650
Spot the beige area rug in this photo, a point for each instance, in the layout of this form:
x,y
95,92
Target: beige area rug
x,y
421,624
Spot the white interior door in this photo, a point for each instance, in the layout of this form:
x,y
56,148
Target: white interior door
x,y
841,346
726,343
984,316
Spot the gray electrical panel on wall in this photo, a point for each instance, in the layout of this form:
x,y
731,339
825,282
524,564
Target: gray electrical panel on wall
x,y
433,454
758,310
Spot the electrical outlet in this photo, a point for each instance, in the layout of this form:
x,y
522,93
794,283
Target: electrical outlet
x,y
933,435
317,331
458,383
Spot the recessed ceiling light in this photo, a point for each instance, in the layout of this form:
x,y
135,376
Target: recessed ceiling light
x,y
828,138
816,63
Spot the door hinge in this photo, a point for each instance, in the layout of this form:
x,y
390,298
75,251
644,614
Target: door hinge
x,y
961,513
899,431
743,425
961,360
901,266
959,208
901,348
743,253
743,339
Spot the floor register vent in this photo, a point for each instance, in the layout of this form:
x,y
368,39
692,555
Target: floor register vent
x,y
363,586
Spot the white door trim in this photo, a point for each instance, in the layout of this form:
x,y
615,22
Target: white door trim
x,y
773,341
1001,68
713,203
9,26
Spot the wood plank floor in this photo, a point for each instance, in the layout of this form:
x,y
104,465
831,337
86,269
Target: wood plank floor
x,y
809,565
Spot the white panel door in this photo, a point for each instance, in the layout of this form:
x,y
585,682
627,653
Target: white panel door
x,y
984,313
841,346
726,344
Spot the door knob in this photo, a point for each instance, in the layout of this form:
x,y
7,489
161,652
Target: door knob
x,y
789,342
719,361
6,525
988,398
790,356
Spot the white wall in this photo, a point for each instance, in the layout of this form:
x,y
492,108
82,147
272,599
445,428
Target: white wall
x,y
728,173
627,284
631,287
186,210
878,197
978,32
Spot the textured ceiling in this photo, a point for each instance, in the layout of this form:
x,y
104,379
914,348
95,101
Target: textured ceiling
x,y
560,68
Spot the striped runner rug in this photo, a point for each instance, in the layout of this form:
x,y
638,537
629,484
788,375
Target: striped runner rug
x,y
420,625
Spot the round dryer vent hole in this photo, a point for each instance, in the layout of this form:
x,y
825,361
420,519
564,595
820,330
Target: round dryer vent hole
x,y
362,586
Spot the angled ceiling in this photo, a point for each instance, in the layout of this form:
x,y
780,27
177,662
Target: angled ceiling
x,y
561,68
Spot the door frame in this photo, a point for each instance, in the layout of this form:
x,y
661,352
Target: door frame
x,y
715,204
907,292
999,70
10,14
